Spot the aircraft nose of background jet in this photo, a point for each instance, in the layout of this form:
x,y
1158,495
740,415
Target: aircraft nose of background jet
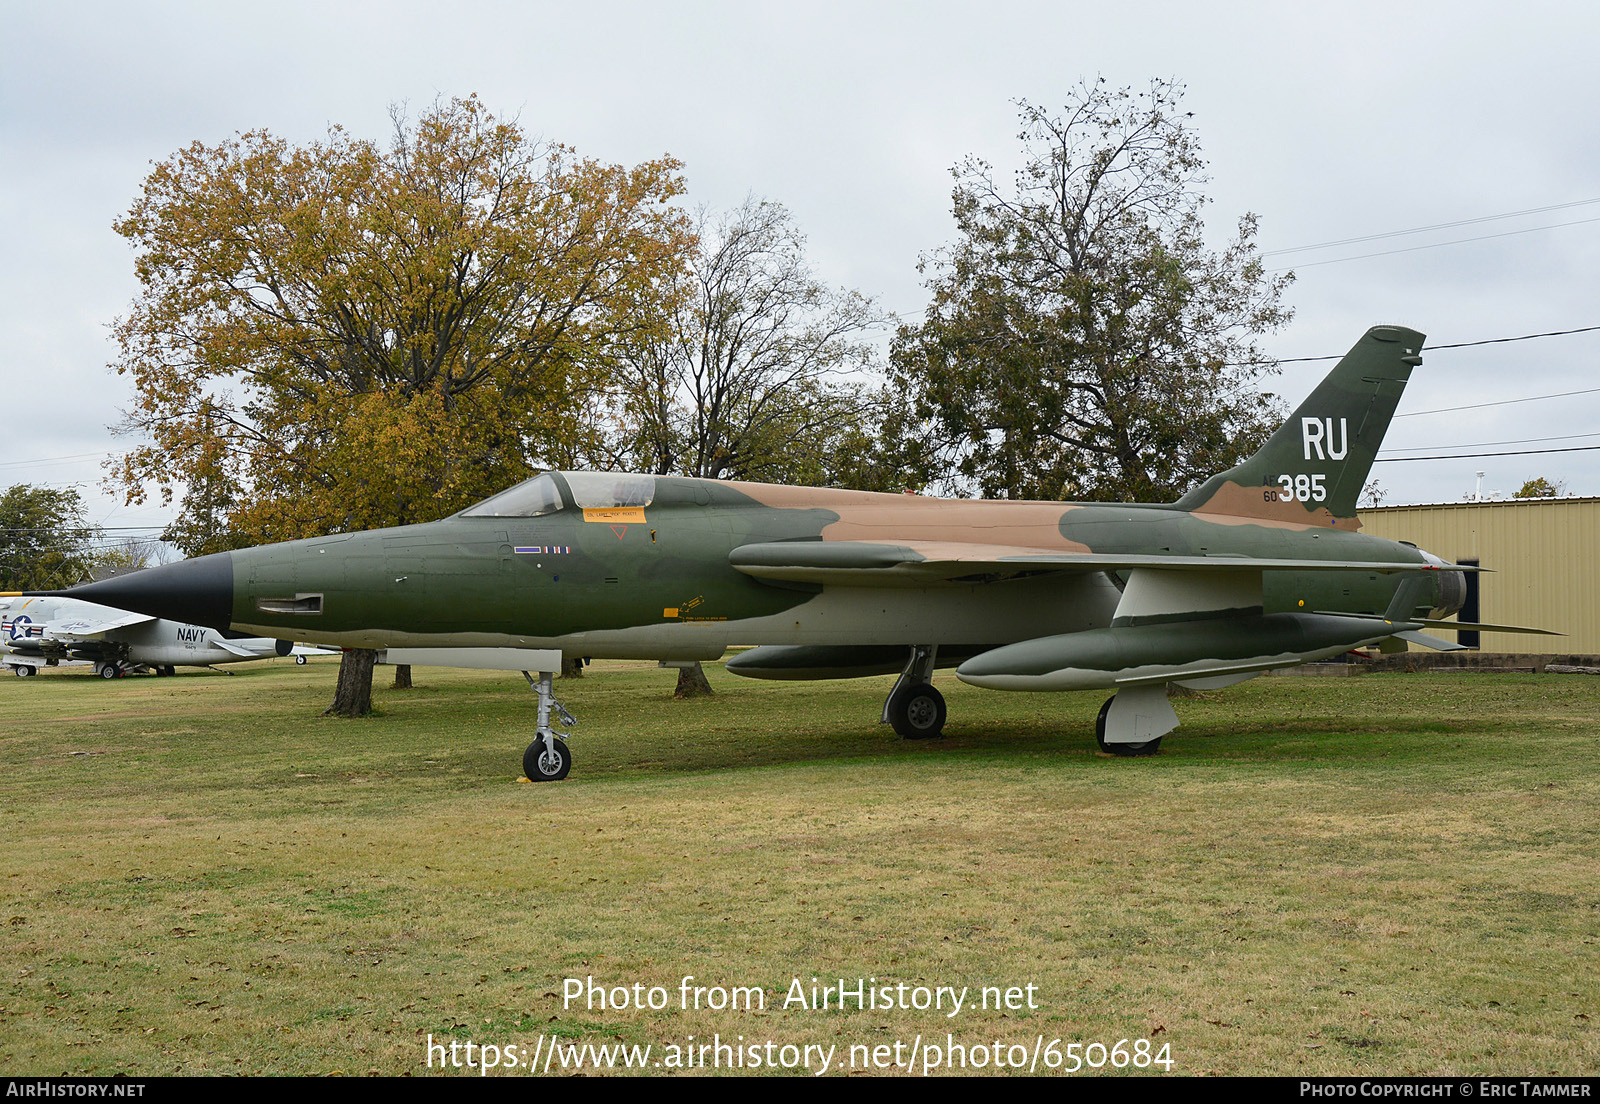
x,y
197,591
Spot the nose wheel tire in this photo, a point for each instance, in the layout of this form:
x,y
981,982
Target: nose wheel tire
x,y
547,760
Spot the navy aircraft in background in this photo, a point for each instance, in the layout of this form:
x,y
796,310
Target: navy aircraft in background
x,y
46,631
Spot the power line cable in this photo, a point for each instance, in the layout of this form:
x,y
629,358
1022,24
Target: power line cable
x,y
53,459
1503,340
1434,245
1502,402
1491,444
84,529
1479,455
1425,348
1426,229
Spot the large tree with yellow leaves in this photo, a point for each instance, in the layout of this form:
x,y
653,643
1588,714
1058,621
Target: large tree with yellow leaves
x,y
342,335
347,335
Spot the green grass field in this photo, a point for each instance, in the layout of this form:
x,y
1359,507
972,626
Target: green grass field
x,y
1394,874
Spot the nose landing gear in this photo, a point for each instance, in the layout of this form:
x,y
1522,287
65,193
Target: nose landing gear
x,y
548,759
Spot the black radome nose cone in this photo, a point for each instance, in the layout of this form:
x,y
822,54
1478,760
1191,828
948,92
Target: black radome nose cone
x,y
197,591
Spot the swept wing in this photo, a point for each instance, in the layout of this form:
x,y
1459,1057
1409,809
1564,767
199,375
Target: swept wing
x,y
925,563
90,628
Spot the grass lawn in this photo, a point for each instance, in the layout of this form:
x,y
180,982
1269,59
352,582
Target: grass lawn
x,y
1393,874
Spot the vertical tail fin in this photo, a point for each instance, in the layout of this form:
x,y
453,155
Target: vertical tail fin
x,y
1312,470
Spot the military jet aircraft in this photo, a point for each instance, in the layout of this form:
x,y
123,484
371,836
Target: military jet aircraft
x,y
1261,567
36,632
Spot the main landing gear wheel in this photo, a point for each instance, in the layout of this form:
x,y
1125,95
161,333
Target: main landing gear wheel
x,y
917,712
1127,751
547,760
110,671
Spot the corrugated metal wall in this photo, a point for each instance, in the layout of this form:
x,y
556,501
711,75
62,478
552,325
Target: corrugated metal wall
x,y
1542,554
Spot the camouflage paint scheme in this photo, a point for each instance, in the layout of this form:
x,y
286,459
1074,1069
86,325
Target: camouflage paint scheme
x,y
1261,566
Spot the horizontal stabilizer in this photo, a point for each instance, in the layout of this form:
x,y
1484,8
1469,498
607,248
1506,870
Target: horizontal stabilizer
x,y
1431,642
1477,626
1465,626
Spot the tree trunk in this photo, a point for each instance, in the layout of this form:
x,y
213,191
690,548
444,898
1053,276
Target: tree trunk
x,y
571,666
352,696
402,676
692,683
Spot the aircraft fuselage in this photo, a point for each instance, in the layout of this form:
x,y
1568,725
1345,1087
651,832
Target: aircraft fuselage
x,y
655,581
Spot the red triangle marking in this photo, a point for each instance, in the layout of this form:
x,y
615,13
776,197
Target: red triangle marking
x,y
619,530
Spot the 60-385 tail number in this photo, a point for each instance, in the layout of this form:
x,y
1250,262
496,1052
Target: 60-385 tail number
x,y
1297,488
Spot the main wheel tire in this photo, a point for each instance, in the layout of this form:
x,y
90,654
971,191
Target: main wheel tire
x,y
109,671
546,765
1127,751
918,712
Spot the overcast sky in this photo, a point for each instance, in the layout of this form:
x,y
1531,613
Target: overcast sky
x,y
1330,122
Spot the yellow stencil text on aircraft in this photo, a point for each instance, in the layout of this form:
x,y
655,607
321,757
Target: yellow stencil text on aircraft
x,y
615,514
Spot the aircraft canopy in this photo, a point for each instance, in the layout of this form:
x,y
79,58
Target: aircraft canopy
x,y
543,494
